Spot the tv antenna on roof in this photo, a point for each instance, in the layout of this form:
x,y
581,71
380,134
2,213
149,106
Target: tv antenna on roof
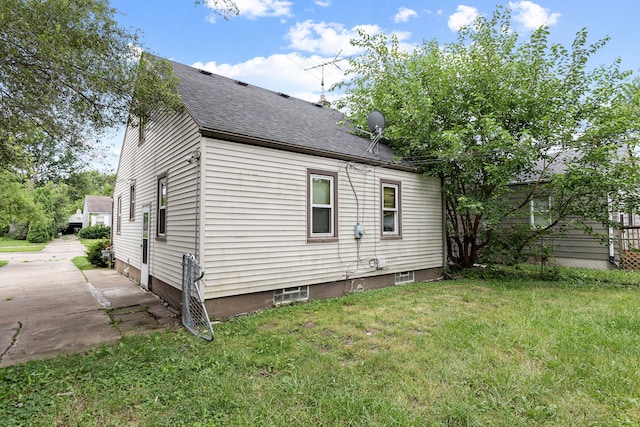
x,y
321,66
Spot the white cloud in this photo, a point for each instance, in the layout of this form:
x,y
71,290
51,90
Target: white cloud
x,y
321,3
532,15
253,9
404,14
438,12
464,16
282,73
135,52
326,38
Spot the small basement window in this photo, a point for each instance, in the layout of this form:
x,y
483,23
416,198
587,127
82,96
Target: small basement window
x,y
404,277
289,295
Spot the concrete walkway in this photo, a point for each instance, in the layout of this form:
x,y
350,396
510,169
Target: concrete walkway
x,y
48,307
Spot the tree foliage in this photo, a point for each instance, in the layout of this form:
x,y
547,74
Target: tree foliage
x,y
224,8
16,204
91,182
70,72
491,110
95,253
46,205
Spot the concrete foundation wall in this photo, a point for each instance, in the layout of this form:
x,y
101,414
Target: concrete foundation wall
x,y
127,270
226,307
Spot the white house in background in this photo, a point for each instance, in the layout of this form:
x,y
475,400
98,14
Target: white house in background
x,y
75,222
97,210
277,199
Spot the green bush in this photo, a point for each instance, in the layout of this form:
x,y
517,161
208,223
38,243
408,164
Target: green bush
x,y
98,231
40,232
94,253
18,231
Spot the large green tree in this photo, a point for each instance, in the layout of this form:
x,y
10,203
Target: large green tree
x,y
85,183
16,204
493,109
69,71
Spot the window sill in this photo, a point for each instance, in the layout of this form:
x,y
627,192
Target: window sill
x,y
391,237
321,239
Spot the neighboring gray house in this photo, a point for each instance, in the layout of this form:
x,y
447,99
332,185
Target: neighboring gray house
x,y
574,248
97,210
276,198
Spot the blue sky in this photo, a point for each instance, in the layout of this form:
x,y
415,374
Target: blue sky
x,y
276,43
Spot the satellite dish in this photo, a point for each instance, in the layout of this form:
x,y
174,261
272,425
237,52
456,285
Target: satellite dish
x,y
376,122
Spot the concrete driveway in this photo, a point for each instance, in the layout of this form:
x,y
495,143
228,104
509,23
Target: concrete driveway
x,y
48,307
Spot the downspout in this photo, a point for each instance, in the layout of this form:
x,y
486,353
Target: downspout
x,y
195,157
444,226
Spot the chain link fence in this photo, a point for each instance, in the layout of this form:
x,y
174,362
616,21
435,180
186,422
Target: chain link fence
x,y
194,313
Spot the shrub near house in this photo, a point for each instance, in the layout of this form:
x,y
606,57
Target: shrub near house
x,y
95,253
95,232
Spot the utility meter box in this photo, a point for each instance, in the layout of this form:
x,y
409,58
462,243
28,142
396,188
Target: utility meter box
x,y
358,231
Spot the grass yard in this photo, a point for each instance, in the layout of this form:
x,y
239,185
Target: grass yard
x,y
88,242
11,245
82,263
469,352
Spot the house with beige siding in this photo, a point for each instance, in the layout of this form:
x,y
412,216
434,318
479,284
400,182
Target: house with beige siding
x,y
277,198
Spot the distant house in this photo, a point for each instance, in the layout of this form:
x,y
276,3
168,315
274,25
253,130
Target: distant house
x,y
572,247
75,222
97,210
276,197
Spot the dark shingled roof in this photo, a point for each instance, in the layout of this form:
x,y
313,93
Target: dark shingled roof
x,y
98,204
228,109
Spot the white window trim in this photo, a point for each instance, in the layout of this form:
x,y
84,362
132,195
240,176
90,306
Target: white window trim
x,y
119,215
533,211
132,202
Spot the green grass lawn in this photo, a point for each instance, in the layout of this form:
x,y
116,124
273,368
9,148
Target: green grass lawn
x,y
3,263
469,352
82,263
11,245
88,242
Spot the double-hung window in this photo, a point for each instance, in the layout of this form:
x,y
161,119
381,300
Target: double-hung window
x,y
391,209
322,205
132,202
541,212
119,215
162,206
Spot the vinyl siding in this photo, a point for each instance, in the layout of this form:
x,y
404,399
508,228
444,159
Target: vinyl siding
x,y
573,244
255,221
168,141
